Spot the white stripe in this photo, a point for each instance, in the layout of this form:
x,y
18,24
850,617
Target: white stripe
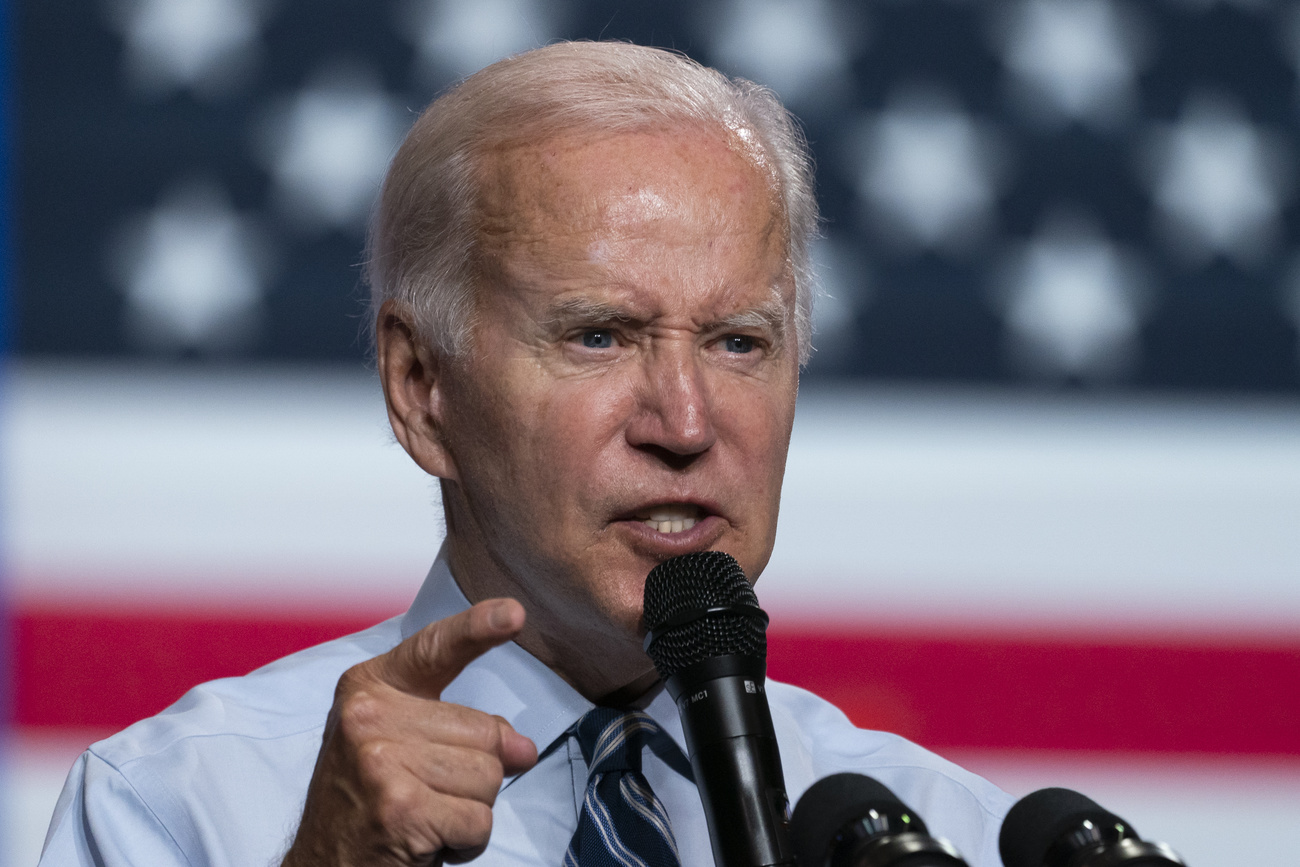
x,y
617,733
609,739
605,827
649,807
925,508
617,729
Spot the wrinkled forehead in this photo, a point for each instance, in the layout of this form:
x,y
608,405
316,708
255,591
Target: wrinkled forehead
x,y
729,128
621,180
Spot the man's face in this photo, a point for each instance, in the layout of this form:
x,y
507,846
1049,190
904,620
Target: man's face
x,y
629,388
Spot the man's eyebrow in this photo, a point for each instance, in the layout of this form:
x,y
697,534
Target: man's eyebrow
x,y
587,310
769,316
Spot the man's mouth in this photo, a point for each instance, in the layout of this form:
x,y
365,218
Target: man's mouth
x,y
673,518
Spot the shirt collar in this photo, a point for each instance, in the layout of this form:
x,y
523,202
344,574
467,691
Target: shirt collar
x,y
512,683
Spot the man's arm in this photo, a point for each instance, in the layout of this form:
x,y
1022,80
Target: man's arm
x,y
403,777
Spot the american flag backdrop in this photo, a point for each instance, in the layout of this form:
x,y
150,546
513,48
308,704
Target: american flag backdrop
x,y
1042,509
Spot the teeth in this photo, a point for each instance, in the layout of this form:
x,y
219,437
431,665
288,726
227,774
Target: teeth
x,y
674,526
671,520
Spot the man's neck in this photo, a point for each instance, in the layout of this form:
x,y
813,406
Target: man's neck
x,y
604,666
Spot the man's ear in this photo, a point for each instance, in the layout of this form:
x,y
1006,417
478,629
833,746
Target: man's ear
x,y
411,375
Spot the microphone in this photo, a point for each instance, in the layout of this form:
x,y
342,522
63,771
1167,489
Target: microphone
x,y
707,638
1060,827
849,820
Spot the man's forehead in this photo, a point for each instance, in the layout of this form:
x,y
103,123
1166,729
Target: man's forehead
x,y
646,226
626,176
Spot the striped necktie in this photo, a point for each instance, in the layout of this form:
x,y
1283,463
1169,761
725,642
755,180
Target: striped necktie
x,y
622,823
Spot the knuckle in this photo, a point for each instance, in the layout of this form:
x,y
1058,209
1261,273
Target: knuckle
x,y
479,819
489,772
373,760
358,714
430,646
485,733
352,680
468,824
397,807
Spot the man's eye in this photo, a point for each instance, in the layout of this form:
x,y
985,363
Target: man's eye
x,y
738,343
597,339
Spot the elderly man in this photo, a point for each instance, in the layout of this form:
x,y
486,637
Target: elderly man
x,y
591,291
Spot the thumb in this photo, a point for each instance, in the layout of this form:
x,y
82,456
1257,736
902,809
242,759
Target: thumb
x,y
518,753
432,658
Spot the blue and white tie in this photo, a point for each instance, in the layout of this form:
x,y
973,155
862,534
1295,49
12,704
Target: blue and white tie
x,y
622,823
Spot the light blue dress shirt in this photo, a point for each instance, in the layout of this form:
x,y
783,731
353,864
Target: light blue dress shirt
x,y
218,779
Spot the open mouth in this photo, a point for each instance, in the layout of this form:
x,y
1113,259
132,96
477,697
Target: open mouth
x,y
671,518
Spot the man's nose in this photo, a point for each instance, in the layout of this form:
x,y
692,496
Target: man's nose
x,y
674,415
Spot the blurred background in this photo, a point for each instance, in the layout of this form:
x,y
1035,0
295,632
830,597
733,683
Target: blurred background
x,y
1042,511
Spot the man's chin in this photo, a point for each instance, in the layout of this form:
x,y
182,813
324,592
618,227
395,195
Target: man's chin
x,y
606,662
631,691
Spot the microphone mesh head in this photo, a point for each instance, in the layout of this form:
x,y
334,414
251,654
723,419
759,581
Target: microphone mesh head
x,y
705,579
1041,818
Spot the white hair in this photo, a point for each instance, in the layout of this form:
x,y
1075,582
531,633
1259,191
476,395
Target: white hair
x,y
421,250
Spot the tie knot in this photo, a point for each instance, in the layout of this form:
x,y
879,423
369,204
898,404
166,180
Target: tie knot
x,y
612,740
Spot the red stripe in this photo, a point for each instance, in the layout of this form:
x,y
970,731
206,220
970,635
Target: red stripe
x,y
1009,691
102,668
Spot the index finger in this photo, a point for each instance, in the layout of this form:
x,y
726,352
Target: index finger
x,y
432,658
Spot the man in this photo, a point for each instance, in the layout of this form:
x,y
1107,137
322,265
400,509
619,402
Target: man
x,y
589,269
